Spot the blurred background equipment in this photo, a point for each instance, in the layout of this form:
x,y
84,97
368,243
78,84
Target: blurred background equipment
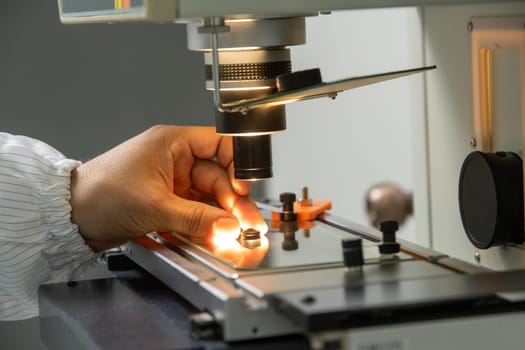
x,y
388,202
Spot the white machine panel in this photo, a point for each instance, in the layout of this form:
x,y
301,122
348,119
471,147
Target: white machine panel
x,y
74,11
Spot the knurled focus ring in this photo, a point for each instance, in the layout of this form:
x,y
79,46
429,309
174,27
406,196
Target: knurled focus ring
x,y
250,71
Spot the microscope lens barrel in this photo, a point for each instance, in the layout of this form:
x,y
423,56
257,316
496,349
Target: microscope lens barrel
x,y
252,157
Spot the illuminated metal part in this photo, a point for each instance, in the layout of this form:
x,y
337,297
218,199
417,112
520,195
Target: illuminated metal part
x,y
250,238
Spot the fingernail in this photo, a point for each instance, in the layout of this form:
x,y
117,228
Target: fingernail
x,y
227,227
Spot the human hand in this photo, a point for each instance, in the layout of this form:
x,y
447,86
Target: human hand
x,y
155,182
239,257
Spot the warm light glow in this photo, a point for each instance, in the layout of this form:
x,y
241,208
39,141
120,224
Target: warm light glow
x,y
254,179
240,20
225,233
246,212
262,228
231,251
249,88
245,48
250,222
219,242
248,134
283,102
230,201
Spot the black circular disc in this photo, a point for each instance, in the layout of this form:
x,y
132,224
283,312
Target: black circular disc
x,y
299,79
491,198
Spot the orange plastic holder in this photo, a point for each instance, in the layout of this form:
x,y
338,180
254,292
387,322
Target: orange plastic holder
x,y
307,212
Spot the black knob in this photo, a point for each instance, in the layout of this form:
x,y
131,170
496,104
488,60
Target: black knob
x,y
299,79
287,199
353,252
491,198
389,245
288,228
289,242
252,157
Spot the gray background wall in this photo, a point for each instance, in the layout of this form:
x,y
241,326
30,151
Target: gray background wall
x,y
85,88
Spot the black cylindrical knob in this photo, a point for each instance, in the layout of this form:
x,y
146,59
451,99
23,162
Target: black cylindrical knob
x,y
287,199
299,79
389,245
353,252
491,198
289,241
389,228
288,228
392,226
252,157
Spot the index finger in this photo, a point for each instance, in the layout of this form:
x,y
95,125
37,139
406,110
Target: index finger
x,y
205,143
201,141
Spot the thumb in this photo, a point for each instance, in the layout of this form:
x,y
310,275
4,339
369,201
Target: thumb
x,y
198,220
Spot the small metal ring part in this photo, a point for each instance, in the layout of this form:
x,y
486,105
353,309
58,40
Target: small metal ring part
x,y
250,238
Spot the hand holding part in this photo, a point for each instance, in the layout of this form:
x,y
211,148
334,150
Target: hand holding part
x,y
240,256
154,182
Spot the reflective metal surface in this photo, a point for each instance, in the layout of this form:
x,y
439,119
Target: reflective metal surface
x,y
330,89
295,281
307,245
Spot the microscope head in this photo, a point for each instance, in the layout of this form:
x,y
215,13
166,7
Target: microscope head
x,y
247,59
249,56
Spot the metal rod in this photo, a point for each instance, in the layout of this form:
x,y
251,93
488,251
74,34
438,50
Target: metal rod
x,y
217,100
213,26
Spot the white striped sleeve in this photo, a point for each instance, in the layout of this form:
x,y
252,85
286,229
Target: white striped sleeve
x,y
38,241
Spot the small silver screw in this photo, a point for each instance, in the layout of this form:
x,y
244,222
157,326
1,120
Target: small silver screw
x,y
473,142
477,256
470,26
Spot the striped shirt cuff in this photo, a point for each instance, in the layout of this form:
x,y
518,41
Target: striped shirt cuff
x,y
38,242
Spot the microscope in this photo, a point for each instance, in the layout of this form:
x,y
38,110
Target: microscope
x,y
247,66
331,282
